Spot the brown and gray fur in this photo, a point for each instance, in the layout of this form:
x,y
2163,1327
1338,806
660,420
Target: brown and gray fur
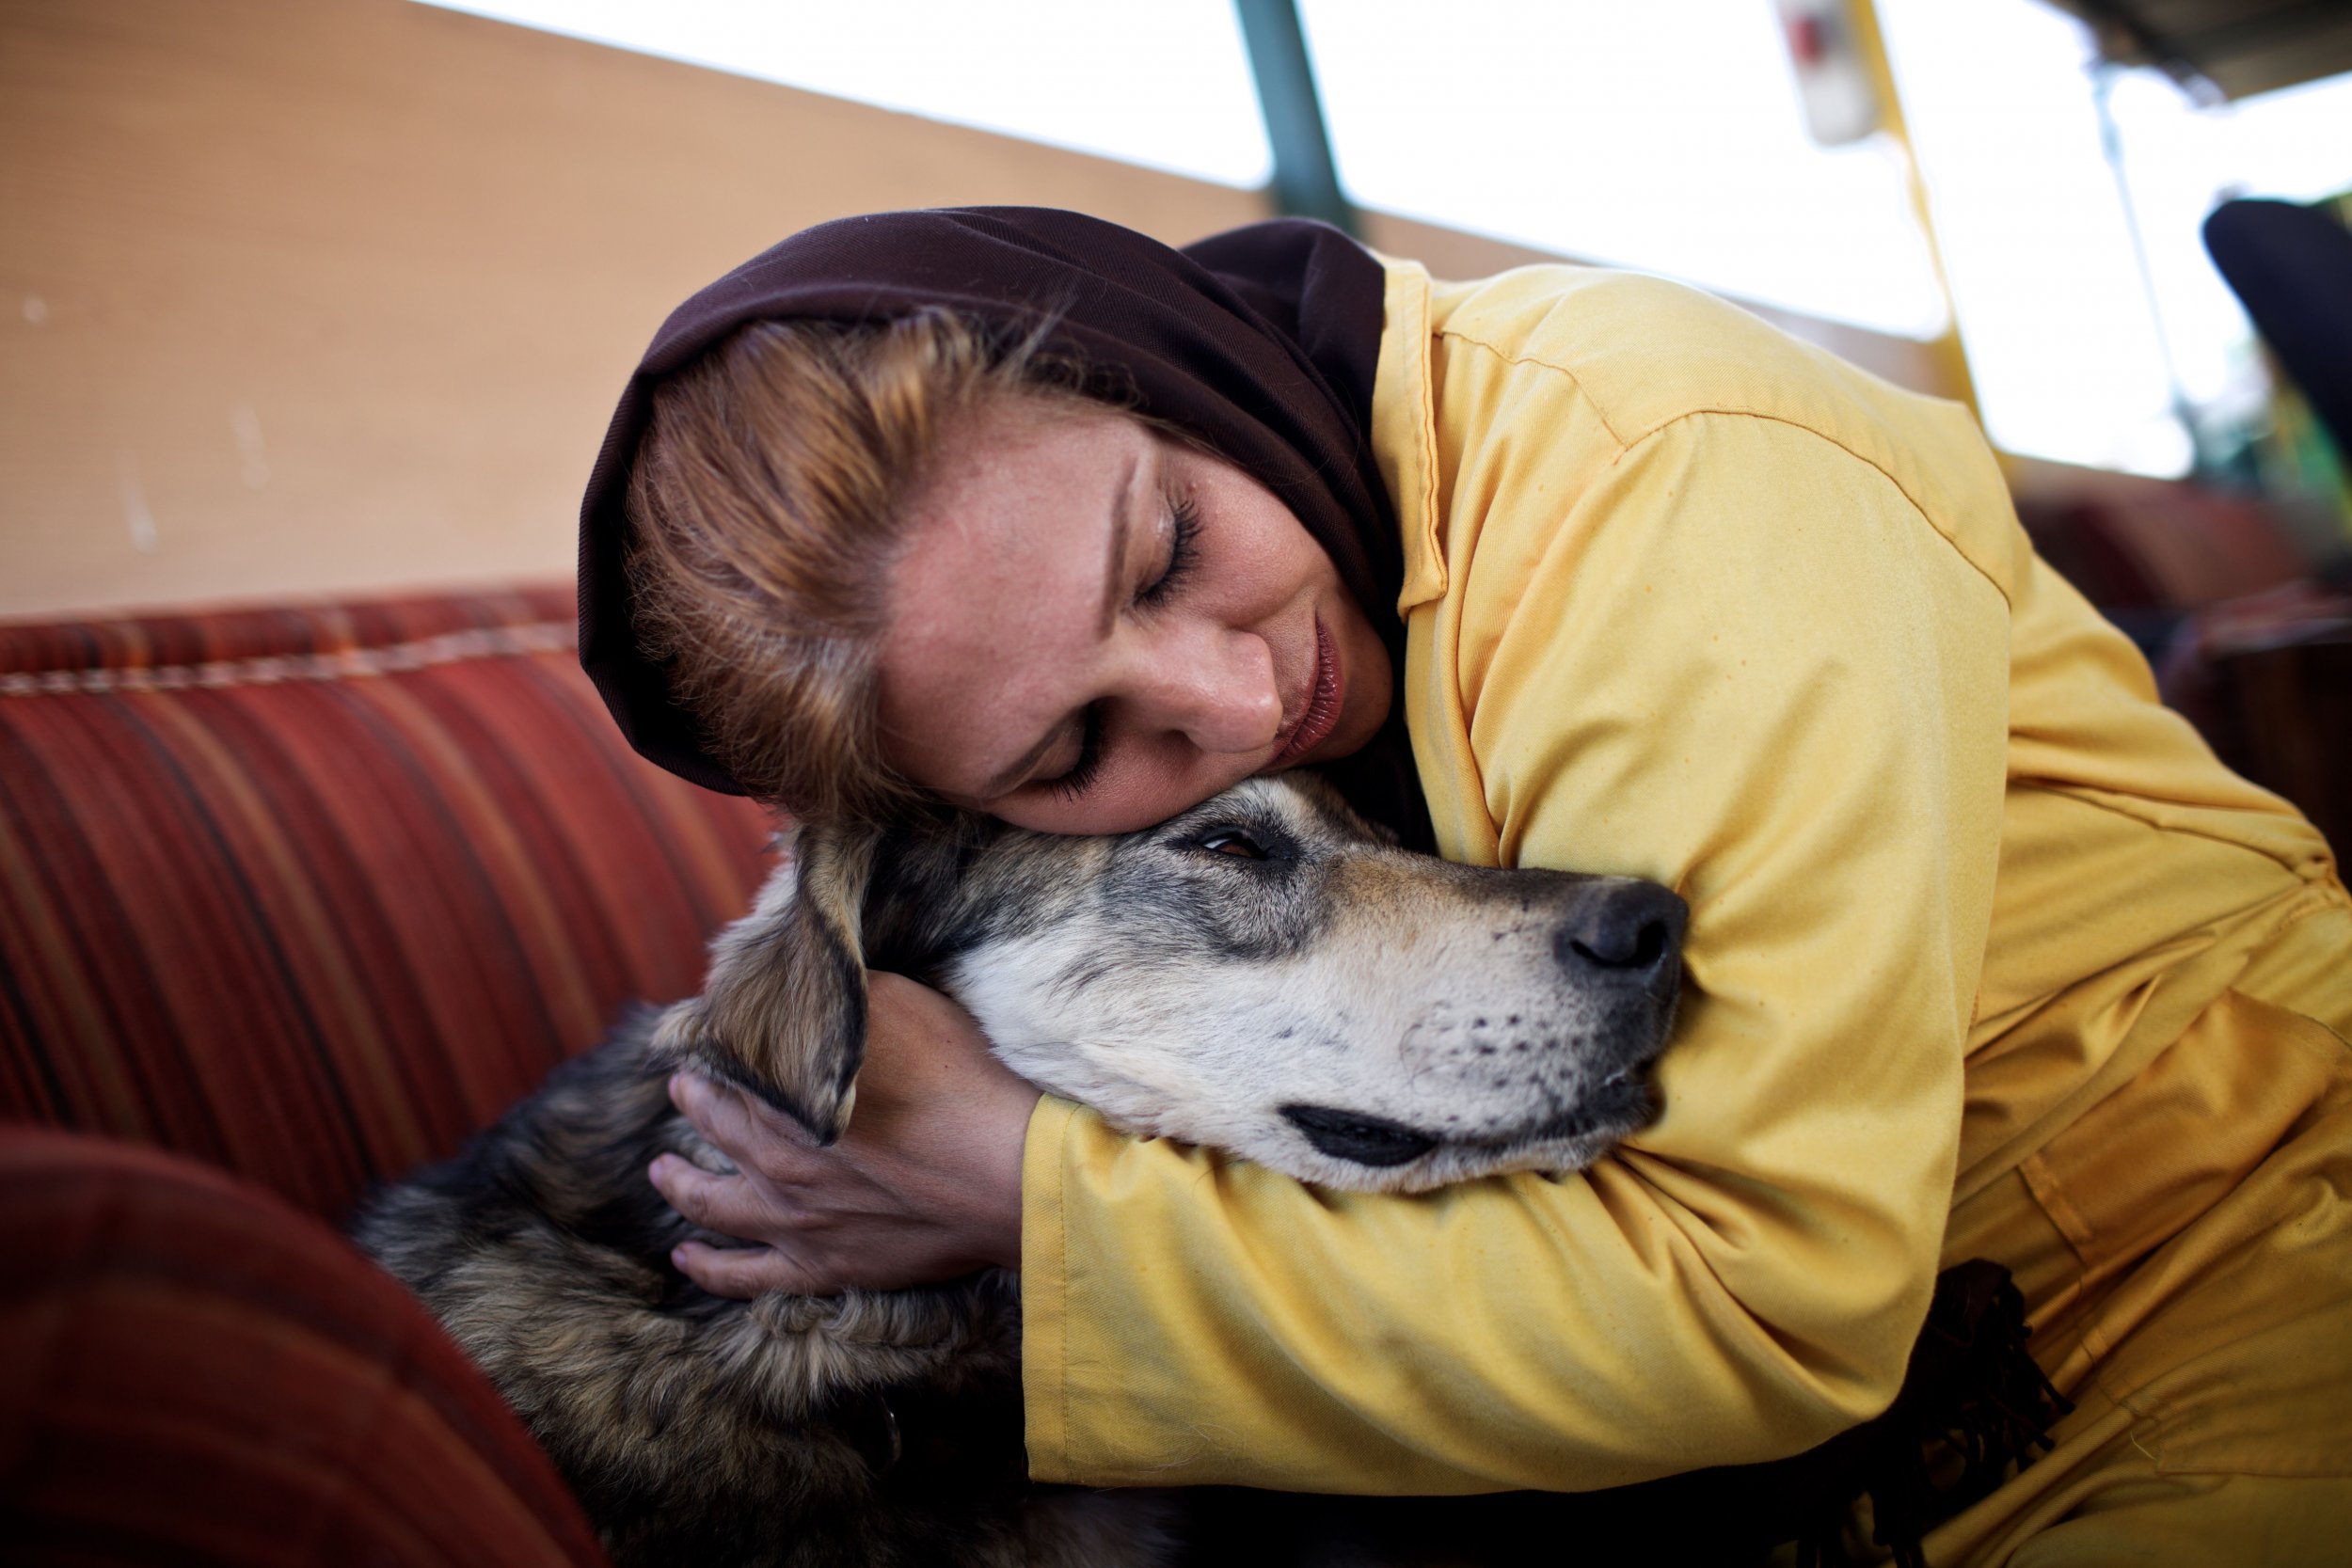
x,y
1263,975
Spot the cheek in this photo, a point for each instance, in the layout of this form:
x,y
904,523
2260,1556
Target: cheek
x,y
1288,564
1261,550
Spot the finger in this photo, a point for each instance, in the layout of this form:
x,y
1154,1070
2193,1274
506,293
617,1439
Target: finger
x,y
740,1105
726,1205
723,1114
738,1272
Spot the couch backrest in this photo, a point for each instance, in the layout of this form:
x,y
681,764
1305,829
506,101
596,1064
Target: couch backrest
x,y
313,893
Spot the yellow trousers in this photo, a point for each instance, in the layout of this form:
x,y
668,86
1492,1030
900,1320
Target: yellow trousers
x,y
2186,1252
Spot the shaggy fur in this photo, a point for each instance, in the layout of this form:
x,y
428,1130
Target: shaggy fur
x,y
1263,975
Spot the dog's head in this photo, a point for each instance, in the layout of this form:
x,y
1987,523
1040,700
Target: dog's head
x,y
1264,974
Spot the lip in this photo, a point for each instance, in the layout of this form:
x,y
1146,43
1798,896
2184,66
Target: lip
x,y
1322,711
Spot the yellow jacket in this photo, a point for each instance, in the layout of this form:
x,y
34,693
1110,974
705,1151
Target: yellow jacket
x,y
1688,600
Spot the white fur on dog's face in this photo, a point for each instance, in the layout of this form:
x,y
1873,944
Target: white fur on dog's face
x,y
1263,975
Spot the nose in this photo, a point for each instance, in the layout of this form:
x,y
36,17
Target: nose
x,y
1622,933
1216,688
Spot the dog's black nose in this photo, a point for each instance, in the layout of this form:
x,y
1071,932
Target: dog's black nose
x,y
1627,931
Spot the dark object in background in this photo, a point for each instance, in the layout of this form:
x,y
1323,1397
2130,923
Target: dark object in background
x,y
2247,618
2267,680
2291,267
2294,711
2276,701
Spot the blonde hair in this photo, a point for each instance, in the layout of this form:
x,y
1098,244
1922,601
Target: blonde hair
x,y
767,505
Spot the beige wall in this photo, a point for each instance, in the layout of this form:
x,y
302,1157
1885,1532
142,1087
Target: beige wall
x,y
309,296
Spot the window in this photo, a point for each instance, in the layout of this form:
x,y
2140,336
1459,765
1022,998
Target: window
x,y
1665,135
2076,358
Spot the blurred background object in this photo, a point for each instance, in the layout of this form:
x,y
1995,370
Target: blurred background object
x,y
1837,71
2292,268
2235,48
313,297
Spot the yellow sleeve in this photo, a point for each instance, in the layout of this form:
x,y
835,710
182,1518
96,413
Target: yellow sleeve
x,y
1736,659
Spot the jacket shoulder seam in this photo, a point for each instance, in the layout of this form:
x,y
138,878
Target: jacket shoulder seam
x,y
1541,363
1864,458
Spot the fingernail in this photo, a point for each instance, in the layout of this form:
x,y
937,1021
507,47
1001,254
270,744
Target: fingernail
x,y
653,1172
677,1259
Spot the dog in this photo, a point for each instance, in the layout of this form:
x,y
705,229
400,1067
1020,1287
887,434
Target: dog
x,y
1264,975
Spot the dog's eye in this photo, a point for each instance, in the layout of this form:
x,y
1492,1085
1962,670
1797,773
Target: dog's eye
x,y
1234,842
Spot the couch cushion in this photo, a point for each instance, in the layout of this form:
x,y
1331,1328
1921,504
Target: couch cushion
x,y
197,1375
312,892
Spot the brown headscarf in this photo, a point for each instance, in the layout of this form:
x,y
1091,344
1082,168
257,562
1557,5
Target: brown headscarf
x,y
1260,343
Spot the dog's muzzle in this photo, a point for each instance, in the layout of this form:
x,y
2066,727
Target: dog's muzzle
x,y
1620,938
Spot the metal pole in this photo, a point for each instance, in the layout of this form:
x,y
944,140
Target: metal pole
x,y
1306,179
1950,353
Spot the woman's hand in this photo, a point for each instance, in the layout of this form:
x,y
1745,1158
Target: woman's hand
x,y
925,1186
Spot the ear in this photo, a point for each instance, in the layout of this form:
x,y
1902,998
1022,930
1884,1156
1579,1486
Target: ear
x,y
782,1011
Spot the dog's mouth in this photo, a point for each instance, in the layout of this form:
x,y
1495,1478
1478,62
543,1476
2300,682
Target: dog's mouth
x,y
1621,1104
1358,1138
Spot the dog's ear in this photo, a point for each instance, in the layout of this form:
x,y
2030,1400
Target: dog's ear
x,y
782,1011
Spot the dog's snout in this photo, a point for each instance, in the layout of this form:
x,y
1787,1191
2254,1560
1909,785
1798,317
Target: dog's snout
x,y
1625,931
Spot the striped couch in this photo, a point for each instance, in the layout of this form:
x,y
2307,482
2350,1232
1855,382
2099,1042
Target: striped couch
x,y
292,900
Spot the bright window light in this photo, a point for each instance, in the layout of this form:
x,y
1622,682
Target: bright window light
x,y
1665,135
2074,358
1165,83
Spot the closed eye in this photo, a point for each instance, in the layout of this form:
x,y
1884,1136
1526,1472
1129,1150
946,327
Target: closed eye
x,y
1184,526
1081,773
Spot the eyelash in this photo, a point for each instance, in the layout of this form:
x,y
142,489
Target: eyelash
x,y
1074,783
1186,518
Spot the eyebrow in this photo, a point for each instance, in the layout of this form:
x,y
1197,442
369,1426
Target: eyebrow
x,y
1114,587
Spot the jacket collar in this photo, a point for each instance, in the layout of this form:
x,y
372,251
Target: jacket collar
x,y
1405,432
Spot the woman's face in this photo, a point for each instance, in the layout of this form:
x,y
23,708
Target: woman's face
x,y
1095,628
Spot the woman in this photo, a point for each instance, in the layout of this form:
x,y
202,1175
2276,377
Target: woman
x,y
1988,957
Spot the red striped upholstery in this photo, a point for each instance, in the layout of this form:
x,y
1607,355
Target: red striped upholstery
x,y
313,893
197,1373
308,894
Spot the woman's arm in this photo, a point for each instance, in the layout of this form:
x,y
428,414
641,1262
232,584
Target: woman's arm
x,y
1741,661
925,1186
